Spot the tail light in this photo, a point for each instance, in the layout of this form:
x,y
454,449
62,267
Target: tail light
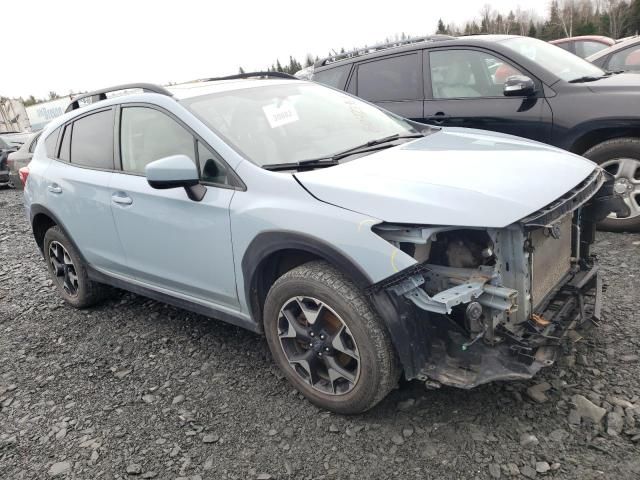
x,y
24,173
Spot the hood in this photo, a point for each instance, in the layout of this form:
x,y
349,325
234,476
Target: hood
x,y
627,82
456,176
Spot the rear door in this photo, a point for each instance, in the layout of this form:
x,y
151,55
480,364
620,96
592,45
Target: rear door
x,y
78,192
392,82
465,89
170,241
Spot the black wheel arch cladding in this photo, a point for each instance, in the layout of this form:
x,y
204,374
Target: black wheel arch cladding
x,y
407,332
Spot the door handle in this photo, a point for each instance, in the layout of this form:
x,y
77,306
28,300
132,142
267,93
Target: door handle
x,y
54,188
439,117
121,198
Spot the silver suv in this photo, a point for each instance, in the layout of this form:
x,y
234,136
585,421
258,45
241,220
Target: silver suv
x,y
362,245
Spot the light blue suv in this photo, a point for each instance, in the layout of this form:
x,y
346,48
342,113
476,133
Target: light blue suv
x,y
362,245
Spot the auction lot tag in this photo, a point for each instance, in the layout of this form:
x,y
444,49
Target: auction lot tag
x,y
282,114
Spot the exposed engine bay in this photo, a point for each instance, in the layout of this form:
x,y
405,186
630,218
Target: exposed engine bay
x,y
498,302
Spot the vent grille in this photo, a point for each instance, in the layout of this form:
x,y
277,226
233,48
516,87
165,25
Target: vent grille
x,y
551,260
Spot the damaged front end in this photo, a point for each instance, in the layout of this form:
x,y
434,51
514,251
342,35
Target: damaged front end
x,y
496,304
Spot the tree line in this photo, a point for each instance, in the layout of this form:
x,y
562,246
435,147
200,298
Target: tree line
x,y
564,18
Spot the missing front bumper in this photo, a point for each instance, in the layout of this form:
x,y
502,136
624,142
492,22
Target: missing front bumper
x,y
450,363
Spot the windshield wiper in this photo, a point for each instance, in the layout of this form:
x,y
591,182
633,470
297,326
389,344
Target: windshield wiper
x,y
313,163
332,160
373,143
586,78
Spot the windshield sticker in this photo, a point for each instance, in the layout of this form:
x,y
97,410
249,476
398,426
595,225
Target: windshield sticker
x,y
280,114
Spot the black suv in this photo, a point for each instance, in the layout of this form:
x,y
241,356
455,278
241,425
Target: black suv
x,y
510,84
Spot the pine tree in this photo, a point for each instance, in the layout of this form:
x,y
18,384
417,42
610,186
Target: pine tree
x,y
241,70
634,18
441,28
308,61
533,32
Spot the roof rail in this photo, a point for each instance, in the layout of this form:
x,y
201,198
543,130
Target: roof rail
x,y
381,46
252,75
101,94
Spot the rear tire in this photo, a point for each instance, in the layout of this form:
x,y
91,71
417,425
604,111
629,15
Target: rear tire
x,y
315,313
621,157
69,273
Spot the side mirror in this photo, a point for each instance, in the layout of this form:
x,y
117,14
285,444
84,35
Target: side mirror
x,y
176,171
519,86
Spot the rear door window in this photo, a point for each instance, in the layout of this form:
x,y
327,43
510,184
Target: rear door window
x,y
333,77
390,79
92,140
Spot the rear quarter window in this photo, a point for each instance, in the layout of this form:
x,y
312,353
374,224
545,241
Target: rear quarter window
x,y
334,77
50,143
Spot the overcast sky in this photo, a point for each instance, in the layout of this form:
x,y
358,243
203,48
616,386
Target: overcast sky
x,y
64,45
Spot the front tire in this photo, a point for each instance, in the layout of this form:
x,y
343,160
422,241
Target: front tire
x,y
327,339
621,158
68,271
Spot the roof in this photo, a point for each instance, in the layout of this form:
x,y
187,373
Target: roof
x,y
363,51
593,38
195,89
183,90
409,47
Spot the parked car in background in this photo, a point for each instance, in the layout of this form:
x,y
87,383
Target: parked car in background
x,y
361,244
585,45
5,149
15,139
21,157
516,85
623,56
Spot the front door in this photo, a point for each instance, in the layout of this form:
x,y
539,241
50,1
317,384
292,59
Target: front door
x,y
172,242
465,89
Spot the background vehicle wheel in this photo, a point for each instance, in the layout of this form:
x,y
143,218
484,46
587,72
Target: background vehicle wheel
x,y
328,340
68,272
621,158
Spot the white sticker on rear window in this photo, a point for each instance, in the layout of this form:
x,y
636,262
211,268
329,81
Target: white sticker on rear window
x,y
280,114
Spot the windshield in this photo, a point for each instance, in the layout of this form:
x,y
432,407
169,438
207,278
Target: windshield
x,y
293,122
562,63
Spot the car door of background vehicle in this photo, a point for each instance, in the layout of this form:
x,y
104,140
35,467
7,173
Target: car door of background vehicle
x,y
393,83
78,187
464,88
170,241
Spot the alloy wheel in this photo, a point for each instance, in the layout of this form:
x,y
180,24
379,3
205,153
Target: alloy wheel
x,y
63,268
627,182
318,345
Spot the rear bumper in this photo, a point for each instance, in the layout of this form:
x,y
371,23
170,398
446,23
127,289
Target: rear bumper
x,y
572,310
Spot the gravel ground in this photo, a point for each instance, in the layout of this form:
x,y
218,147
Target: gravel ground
x,y
137,389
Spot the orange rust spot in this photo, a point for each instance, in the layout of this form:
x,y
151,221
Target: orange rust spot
x,y
540,320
